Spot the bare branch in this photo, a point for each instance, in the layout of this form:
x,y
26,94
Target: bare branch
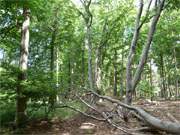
x,y
89,3
77,110
131,55
172,118
146,15
144,54
114,125
152,121
88,104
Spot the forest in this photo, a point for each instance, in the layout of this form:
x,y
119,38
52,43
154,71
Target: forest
x,y
90,67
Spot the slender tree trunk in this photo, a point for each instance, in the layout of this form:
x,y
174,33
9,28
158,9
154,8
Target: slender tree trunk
x,y
52,97
163,90
122,74
132,82
98,58
89,46
176,78
87,16
115,73
97,71
57,73
83,67
129,88
69,73
57,67
23,65
151,79
52,54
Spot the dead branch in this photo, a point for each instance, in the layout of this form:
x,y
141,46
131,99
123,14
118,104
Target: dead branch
x,y
77,110
152,121
107,118
114,125
87,104
172,118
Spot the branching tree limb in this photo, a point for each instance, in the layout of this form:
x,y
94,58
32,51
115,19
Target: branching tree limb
x,y
77,110
152,121
131,56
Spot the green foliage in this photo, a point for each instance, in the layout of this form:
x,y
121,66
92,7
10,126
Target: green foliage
x,y
145,89
112,29
7,113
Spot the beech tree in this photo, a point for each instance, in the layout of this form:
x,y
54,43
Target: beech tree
x,y
133,80
23,65
80,49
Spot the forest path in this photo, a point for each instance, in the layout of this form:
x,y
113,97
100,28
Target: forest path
x,y
73,126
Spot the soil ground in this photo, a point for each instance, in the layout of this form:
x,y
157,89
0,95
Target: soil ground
x,y
72,126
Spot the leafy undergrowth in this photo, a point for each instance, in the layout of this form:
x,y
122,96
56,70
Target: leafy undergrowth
x,y
72,126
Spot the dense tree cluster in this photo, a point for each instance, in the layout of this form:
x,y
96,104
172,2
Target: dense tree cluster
x,y
50,49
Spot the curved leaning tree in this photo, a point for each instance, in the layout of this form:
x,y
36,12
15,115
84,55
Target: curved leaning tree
x,y
133,79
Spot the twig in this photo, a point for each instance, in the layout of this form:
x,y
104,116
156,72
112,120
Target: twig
x,y
77,110
114,125
88,104
152,121
172,118
125,130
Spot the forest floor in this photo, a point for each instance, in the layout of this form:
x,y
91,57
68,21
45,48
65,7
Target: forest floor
x,y
73,126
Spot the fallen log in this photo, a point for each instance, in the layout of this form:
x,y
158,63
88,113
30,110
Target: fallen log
x,y
152,121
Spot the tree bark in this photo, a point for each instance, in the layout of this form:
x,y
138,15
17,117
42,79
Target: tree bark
x,y
83,67
98,58
89,47
129,87
21,100
52,98
131,83
115,72
122,74
151,78
69,73
97,68
163,89
151,121
87,16
176,72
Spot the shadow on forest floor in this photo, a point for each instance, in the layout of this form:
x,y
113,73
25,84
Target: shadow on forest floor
x,y
81,125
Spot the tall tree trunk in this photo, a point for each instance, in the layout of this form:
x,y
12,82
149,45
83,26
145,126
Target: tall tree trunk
x,y
57,67
83,67
115,73
52,97
132,82
177,92
122,74
163,90
151,79
23,65
129,88
52,54
99,55
69,73
87,16
97,67
89,47
57,73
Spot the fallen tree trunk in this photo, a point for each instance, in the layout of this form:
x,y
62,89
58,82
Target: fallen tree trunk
x,y
153,122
